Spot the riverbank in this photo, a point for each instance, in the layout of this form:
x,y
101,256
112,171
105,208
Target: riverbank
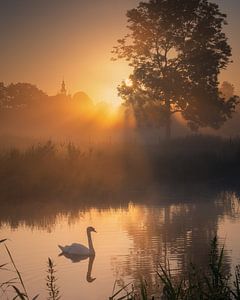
x,y
52,170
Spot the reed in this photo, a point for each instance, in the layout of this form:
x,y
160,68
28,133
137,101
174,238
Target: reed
x,y
212,284
56,170
16,283
52,288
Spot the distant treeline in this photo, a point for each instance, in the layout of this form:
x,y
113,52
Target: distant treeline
x,y
17,96
29,113
51,170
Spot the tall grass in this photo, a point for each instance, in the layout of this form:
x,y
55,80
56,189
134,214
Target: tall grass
x,y
16,283
56,170
211,284
52,288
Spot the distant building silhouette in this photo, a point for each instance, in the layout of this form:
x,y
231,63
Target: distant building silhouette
x,y
82,100
63,89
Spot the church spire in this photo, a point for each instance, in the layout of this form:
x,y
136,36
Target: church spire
x,y
63,88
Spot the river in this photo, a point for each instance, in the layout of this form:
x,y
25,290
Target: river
x,y
132,239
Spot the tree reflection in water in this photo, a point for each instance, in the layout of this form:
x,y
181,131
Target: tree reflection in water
x,y
173,235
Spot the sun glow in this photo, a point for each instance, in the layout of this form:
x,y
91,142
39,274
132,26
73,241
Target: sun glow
x,y
128,82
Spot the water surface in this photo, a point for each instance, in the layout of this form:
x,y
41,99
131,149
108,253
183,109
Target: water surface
x,y
131,240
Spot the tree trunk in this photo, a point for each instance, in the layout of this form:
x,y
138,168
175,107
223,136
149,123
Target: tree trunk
x,y
168,125
168,128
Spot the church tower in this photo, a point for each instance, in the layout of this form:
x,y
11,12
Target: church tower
x,y
63,88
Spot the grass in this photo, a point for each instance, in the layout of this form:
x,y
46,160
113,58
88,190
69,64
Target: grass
x,y
212,284
57,170
52,288
16,284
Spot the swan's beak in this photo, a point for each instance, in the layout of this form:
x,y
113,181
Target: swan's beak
x,y
94,230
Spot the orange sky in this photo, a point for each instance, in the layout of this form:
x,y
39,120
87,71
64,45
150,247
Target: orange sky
x,y
44,41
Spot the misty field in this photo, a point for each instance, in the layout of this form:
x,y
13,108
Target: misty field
x,y
55,170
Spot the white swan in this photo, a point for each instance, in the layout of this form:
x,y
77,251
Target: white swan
x,y
78,249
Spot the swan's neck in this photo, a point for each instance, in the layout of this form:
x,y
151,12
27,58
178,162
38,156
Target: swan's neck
x,y
90,243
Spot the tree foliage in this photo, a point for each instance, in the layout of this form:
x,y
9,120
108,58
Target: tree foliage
x,y
20,95
176,49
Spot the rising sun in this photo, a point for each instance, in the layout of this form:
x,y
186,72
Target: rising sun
x,y
128,82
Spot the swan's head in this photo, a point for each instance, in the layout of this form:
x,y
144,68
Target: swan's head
x,y
91,229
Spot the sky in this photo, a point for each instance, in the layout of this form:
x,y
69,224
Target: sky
x,y
44,41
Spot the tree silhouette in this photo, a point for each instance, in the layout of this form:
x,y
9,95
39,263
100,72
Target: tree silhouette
x,y
20,95
177,49
3,97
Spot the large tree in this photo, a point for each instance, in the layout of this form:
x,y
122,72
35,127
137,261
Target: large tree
x,y
176,49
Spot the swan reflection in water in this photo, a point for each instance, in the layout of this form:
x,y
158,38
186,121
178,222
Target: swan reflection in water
x,y
78,258
77,252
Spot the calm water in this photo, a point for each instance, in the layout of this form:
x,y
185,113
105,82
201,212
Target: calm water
x,y
130,242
